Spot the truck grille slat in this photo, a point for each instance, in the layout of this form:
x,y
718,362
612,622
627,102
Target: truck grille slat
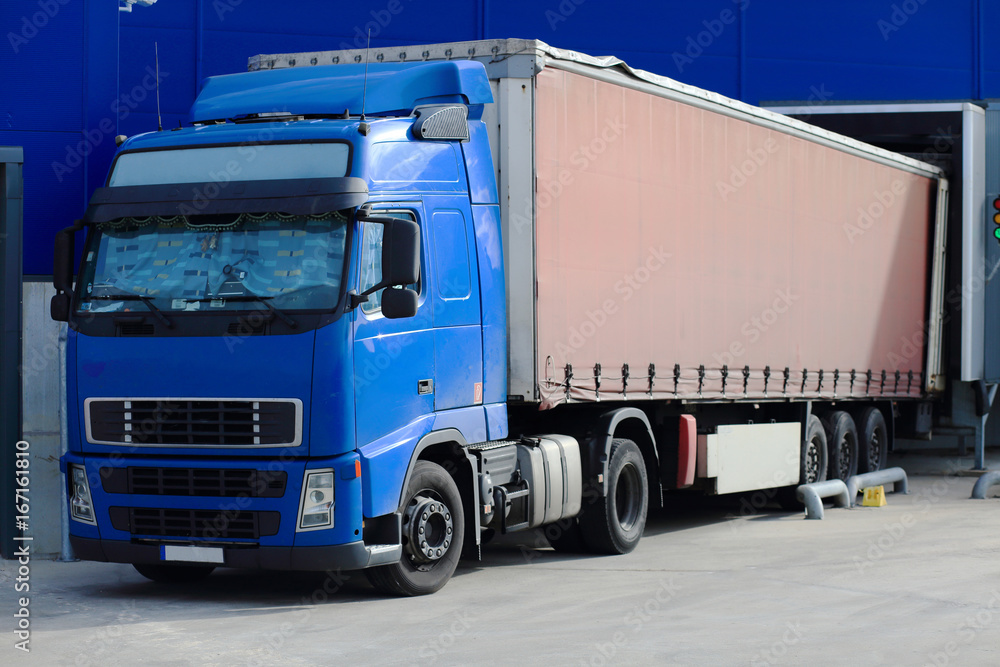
x,y
205,482
194,523
188,422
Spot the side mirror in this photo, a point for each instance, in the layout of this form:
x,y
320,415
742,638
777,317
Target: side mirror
x,y
62,272
400,258
59,307
401,253
62,265
399,303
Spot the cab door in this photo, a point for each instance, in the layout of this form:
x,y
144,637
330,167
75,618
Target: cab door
x,y
393,359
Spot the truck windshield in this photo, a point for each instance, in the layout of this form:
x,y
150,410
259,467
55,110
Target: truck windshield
x,y
220,263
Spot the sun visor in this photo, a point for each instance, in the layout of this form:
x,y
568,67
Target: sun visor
x,y
310,196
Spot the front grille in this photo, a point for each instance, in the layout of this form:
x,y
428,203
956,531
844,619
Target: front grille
x,y
194,422
202,482
203,524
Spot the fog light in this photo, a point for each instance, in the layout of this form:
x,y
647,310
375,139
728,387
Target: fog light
x,y
316,505
81,507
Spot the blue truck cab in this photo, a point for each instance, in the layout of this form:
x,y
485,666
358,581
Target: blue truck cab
x,y
288,313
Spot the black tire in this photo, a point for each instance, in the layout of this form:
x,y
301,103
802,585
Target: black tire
x,y
173,574
433,534
812,464
873,441
813,458
566,536
613,524
842,445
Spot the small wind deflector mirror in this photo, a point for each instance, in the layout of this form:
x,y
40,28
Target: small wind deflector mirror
x,y
399,303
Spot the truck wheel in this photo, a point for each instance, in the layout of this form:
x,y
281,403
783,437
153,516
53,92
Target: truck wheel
x,y
842,445
173,574
814,453
873,441
433,534
613,524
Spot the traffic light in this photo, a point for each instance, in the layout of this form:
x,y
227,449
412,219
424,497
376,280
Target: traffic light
x,y
996,218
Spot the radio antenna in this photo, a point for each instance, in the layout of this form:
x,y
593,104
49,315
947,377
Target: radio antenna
x,y
159,119
364,87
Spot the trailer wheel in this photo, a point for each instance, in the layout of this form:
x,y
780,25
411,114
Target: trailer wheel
x,y
813,462
613,524
433,534
873,441
173,574
842,444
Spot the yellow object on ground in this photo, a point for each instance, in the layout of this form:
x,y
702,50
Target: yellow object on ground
x,y
874,497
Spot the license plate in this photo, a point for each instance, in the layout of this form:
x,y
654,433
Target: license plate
x,y
191,554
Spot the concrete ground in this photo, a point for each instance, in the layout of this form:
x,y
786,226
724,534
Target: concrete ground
x,y
713,582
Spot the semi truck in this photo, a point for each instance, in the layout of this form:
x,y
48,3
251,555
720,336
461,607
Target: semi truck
x,y
367,309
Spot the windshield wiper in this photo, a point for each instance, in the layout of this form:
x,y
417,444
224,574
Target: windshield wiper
x,y
147,300
292,324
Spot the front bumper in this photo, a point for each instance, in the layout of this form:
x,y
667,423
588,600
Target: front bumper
x,y
351,556
253,528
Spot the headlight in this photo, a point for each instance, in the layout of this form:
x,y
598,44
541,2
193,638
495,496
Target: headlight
x,y
81,507
316,505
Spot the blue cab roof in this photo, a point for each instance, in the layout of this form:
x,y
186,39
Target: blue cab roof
x,y
393,89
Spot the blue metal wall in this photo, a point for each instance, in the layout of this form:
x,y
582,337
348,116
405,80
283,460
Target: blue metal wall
x,y
73,73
